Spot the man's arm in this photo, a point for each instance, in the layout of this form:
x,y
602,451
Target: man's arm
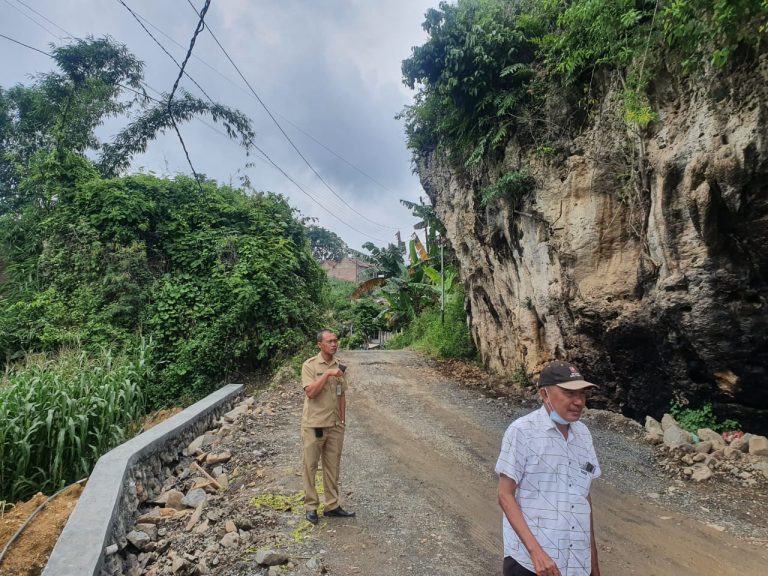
x,y
542,563
595,563
313,389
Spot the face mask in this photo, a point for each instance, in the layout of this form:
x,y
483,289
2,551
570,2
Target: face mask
x,y
553,415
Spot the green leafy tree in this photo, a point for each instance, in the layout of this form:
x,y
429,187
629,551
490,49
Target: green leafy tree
x,y
472,73
59,112
326,245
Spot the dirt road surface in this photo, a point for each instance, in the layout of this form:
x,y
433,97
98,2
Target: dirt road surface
x,y
418,465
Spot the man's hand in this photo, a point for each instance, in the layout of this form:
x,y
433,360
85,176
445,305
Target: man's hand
x,y
543,564
312,390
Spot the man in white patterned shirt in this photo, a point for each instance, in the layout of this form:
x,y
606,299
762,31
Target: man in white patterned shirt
x,y
546,465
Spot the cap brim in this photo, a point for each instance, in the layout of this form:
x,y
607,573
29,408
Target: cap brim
x,y
576,385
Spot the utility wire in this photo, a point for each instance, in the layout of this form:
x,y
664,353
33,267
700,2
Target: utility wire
x,y
44,18
26,45
287,120
198,29
269,113
136,17
266,156
20,11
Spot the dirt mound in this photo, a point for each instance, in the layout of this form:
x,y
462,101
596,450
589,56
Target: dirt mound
x,y
29,553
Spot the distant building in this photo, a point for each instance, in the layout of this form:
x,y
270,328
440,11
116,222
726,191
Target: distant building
x,y
349,269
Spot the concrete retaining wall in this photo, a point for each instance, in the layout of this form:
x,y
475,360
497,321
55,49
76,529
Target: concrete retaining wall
x,y
109,500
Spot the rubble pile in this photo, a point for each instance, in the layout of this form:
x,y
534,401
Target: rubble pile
x,y
733,457
206,519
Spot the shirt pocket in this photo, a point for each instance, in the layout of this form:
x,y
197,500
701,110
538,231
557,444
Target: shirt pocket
x,y
581,479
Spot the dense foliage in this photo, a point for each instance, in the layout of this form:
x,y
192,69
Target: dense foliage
x,y
446,338
693,419
486,70
216,278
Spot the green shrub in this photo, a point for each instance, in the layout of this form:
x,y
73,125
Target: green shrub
x,y
692,419
426,332
221,279
59,414
351,342
512,186
521,378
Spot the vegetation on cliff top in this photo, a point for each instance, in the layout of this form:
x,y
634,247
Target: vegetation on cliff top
x,y
486,70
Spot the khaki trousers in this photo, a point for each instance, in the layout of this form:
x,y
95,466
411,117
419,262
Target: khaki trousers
x,y
329,449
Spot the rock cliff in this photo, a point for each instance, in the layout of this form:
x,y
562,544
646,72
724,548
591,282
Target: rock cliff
x,y
656,289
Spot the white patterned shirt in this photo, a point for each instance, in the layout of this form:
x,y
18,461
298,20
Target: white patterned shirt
x,y
553,477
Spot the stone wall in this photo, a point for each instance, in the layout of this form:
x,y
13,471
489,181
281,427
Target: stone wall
x,y
132,472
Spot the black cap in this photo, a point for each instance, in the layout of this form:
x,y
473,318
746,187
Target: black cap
x,y
563,374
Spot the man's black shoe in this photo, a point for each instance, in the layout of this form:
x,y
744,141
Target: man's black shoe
x,y
339,512
312,516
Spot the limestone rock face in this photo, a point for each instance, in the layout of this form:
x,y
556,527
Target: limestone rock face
x,y
655,290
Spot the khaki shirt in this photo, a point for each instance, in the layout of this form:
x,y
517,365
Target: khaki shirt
x,y
323,410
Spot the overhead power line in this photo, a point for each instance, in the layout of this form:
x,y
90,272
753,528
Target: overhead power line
x,y
44,18
28,17
288,138
136,17
266,156
245,91
198,29
27,45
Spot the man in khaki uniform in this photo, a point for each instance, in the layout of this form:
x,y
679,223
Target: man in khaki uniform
x,y
322,425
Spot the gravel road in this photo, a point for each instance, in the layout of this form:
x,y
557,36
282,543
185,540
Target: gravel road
x,y
418,466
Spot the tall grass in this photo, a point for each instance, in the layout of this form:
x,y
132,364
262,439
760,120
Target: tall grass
x,y
59,414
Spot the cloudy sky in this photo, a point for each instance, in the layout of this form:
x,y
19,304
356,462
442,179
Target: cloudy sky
x,y
329,71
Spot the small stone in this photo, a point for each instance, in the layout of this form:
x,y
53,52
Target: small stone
x,y
172,499
218,458
148,529
704,447
140,540
668,421
229,526
201,528
270,558
230,540
709,435
315,563
731,453
675,436
701,473
194,497
740,444
151,517
758,446
653,425
698,457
